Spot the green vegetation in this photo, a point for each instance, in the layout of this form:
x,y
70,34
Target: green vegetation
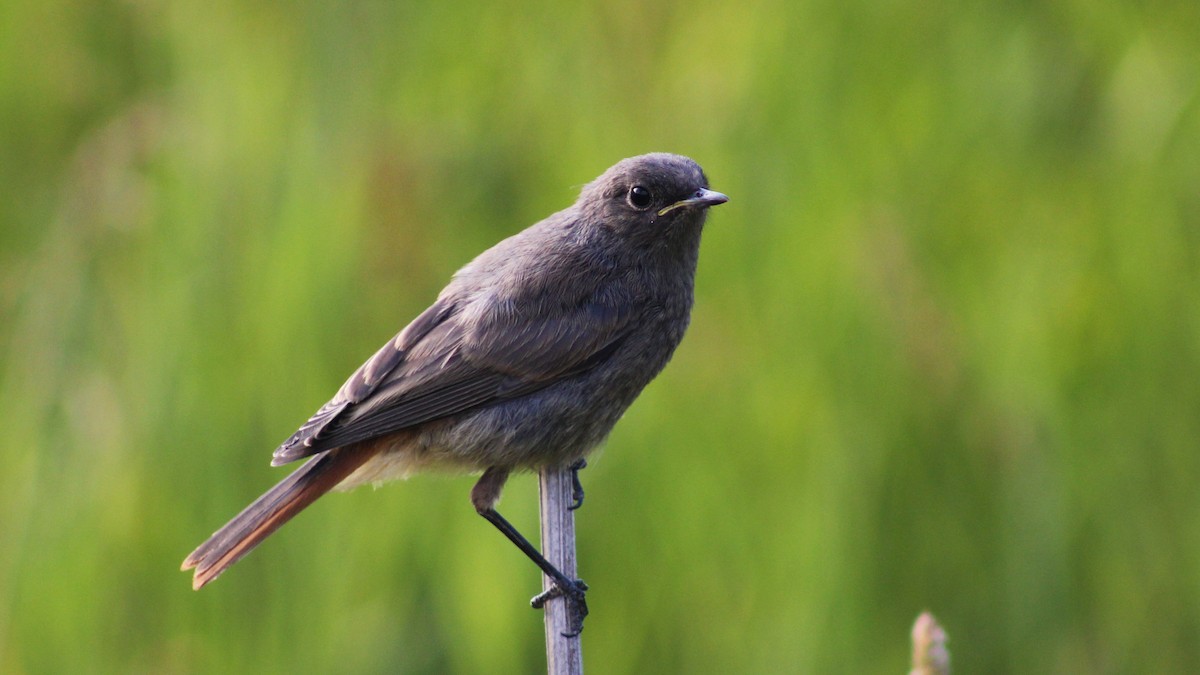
x,y
945,355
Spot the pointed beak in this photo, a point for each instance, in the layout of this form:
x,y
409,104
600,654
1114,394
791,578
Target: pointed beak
x,y
703,198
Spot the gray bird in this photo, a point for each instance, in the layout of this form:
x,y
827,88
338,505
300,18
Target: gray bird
x,y
527,359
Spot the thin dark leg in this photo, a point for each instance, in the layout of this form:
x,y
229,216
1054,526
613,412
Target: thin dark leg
x,y
572,591
576,486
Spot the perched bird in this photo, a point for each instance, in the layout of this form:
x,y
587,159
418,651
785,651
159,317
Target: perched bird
x,y
527,359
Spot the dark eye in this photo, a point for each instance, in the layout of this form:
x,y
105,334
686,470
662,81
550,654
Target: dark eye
x,y
639,197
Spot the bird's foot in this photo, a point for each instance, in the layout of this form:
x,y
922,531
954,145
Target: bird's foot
x,y
576,485
573,592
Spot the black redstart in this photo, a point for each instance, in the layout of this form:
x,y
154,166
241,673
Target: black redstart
x,y
527,359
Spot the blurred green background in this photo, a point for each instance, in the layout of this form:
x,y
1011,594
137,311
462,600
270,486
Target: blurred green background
x,y
945,353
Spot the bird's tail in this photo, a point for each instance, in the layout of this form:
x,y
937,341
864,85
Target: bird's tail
x,y
270,511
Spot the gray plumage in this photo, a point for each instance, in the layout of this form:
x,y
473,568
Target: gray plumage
x,y
527,358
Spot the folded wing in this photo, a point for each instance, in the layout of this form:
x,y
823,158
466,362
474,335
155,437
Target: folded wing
x,y
451,360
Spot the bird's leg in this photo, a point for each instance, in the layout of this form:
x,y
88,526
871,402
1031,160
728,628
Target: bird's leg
x,y
484,496
576,486
572,590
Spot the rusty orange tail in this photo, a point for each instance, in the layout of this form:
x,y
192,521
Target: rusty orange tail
x,y
270,511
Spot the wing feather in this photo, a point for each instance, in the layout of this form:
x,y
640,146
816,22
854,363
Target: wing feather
x,y
453,359
362,384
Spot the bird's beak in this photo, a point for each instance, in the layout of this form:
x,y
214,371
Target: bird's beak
x,y
702,199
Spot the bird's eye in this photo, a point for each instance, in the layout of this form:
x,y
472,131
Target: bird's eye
x,y
639,197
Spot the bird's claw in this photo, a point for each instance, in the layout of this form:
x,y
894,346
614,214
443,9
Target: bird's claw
x,y
576,485
574,594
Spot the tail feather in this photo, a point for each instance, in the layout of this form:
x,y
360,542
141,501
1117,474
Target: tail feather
x,y
270,511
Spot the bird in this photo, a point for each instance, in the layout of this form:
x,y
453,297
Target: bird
x,y
525,360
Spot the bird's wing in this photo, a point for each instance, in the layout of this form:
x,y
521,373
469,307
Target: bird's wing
x,y
449,361
362,383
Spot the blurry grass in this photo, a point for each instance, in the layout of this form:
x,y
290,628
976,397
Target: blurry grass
x,y
944,352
